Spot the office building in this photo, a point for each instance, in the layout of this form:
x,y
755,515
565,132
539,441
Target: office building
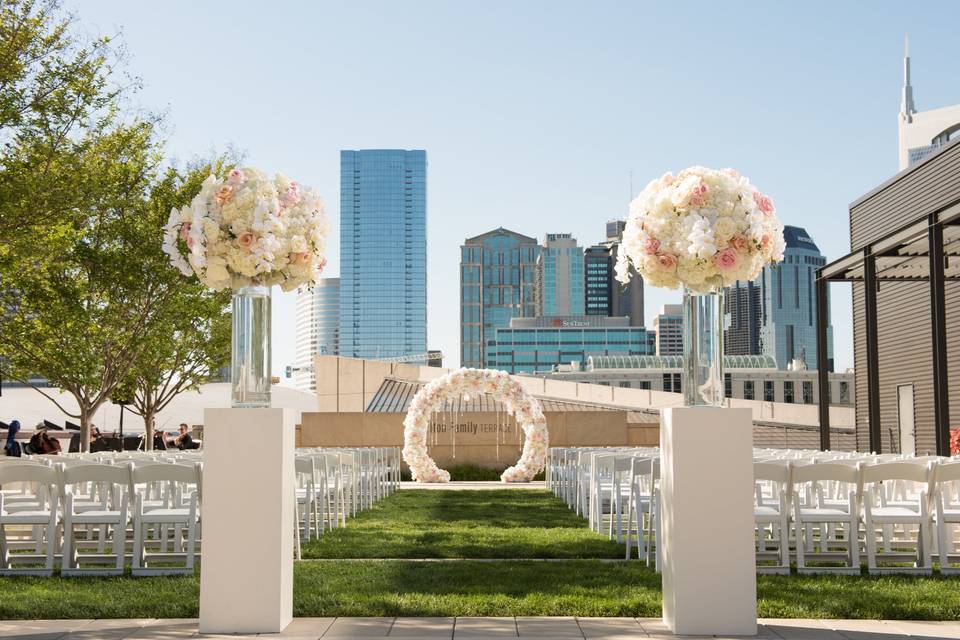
x,y
318,329
560,276
605,295
921,133
497,283
668,328
745,377
789,307
544,343
742,308
383,253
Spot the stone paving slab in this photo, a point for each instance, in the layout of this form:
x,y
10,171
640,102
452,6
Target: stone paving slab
x,y
560,628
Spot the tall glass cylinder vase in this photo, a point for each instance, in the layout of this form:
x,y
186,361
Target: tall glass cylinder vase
x,y
250,370
703,383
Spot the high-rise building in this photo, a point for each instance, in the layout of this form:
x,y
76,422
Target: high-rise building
x,y
560,276
922,132
529,345
788,330
668,327
497,283
318,329
383,253
742,319
604,295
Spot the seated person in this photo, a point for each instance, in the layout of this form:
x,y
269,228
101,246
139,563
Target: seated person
x,y
42,444
184,440
159,442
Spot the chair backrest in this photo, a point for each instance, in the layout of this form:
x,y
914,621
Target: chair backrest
x,y
27,472
772,472
95,472
912,471
836,471
947,471
165,472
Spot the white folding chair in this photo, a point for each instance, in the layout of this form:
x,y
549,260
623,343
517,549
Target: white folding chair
x,y
946,499
821,508
181,512
106,506
38,516
771,510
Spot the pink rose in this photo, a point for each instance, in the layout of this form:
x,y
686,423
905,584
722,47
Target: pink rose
x,y
765,241
185,231
245,240
302,257
740,243
698,196
666,261
235,176
651,246
224,195
726,260
764,203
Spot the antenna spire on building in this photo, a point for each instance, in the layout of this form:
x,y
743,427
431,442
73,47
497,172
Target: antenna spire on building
x,y
907,108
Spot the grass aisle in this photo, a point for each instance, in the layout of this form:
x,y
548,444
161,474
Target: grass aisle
x,y
477,524
465,524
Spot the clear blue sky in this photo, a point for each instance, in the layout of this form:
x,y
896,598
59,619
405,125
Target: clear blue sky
x,y
533,114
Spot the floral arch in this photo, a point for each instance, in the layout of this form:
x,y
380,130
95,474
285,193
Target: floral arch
x,y
467,382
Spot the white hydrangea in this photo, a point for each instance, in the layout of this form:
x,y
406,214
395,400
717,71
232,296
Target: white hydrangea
x,y
247,228
702,229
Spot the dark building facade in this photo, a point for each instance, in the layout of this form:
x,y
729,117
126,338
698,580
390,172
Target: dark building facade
x,y
604,295
742,308
892,235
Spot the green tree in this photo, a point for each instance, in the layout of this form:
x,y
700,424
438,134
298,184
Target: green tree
x,y
77,305
190,341
58,92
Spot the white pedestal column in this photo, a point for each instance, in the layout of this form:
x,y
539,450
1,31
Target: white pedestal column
x,y
709,566
246,568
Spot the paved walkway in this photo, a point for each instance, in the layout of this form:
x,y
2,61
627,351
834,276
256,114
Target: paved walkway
x,y
473,485
479,628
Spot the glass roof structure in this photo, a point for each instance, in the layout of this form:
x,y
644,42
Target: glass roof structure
x,y
595,363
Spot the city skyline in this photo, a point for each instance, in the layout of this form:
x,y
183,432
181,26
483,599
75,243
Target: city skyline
x,y
506,133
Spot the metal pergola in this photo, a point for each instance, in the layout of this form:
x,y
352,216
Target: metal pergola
x,y
918,251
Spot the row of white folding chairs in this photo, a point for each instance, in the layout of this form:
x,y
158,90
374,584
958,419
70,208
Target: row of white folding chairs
x,y
601,482
46,502
911,505
335,483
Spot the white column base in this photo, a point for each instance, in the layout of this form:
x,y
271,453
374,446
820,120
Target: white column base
x,y
709,566
246,568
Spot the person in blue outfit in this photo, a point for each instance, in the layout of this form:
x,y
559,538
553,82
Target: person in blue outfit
x,y
12,447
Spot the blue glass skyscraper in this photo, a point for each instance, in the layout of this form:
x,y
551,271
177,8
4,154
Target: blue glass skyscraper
x,y
383,253
788,312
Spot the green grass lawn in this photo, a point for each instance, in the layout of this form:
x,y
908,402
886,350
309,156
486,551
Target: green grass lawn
x,y
477,524
523,588
507,523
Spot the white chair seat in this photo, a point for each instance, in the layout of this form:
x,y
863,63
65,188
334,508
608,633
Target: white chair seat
x,y
161,516
824,514
25,517
766,512
893,513
96,517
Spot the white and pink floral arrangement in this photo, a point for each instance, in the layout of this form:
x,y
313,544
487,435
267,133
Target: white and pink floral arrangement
x,y
466,383
702,229
249,229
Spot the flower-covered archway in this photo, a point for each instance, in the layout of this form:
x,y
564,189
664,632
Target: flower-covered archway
x,y
474,382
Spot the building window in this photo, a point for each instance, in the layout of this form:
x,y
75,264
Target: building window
x,y
748,390
807,392
728,385
677,386
667,382
844,392
788,391
645,384
768,390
